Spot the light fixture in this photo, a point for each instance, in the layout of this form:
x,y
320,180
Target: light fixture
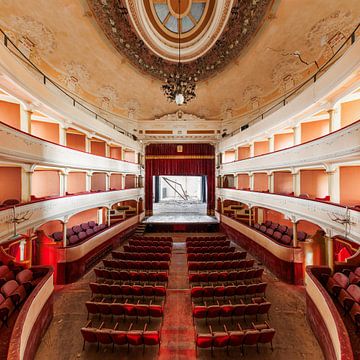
x,y
179,87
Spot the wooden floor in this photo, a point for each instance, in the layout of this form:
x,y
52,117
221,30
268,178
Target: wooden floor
x,y
294,339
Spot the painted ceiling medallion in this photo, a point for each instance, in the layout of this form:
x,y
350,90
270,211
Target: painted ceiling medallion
x,y
212,33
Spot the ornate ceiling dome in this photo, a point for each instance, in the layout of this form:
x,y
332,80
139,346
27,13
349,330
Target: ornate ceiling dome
x,y
211,32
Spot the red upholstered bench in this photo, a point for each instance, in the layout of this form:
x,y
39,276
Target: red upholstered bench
x,y
13,290
337,282
6,308
348,297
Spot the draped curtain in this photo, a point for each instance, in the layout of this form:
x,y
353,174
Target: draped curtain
x,y
182,160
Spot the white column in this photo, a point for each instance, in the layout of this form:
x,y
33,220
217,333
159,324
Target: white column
x,y
108,218
271,182
22,245
334,118
25,120
296,183
251,182
334,184
297,134
236,154
107,182
62,135
87,144
63,183
271,140
107,149
88,181
329,250
250,216
64,233
123,181
236,182
100,216
252,149
26,185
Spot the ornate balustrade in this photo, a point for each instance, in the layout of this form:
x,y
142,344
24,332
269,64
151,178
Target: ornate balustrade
x,y
19,146
318,212
61,208
340,146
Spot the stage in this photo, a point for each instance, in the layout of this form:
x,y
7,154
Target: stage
x,y
181,218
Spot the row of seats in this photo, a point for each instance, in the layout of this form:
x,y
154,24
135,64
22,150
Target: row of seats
x,y
220,256
147,243
131,276
189,239
279,233
153,238
14,290
134,264
125,309
79,232
257,306
224,291
345,287
223,277
140,256
208,243
126,290
210,249
114,337
220,265
148,249
258,334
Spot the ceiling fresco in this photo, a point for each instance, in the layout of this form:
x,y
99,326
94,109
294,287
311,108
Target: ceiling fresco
x,y
289,41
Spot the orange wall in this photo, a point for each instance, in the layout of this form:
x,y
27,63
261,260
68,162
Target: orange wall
x,y
129,156
76,182
115,181
349,185
10,183
98,182
283,141
261,147
82,217
229,156
314,129
260,182
98,148
314,183
243,181
129,181
51,226
75,141
115,153
243,152
10,114
283,182
46,131
45,183
350,112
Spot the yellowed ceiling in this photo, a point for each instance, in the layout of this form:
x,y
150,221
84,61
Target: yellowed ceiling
x,y
70,47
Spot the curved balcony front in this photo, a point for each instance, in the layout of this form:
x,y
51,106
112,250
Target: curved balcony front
x,y
338,147
18,146
329,216
60,208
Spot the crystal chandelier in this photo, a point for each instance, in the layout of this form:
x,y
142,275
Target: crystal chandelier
x,y
179,87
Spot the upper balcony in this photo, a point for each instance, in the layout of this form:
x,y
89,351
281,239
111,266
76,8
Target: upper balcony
x,y
18,146
338,147
327,215
36,213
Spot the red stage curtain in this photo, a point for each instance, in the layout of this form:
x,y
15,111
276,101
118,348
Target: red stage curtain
x,y
183,160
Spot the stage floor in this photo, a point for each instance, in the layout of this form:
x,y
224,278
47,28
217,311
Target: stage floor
x,y
181,218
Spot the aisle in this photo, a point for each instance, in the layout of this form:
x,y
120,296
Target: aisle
x,y
177,336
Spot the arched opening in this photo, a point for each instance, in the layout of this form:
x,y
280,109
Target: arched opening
x,y
123,210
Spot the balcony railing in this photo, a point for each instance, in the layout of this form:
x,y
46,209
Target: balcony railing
x,y
40,212
340,146
318,212
16,145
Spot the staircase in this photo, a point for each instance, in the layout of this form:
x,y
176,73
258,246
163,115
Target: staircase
x,y
140,229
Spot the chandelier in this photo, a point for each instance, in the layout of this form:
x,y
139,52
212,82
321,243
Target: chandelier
x,y
179,87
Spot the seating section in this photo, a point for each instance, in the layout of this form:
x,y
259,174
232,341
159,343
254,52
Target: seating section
x,y
225,291
280,233
344,288
79,233
131,285
15,286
